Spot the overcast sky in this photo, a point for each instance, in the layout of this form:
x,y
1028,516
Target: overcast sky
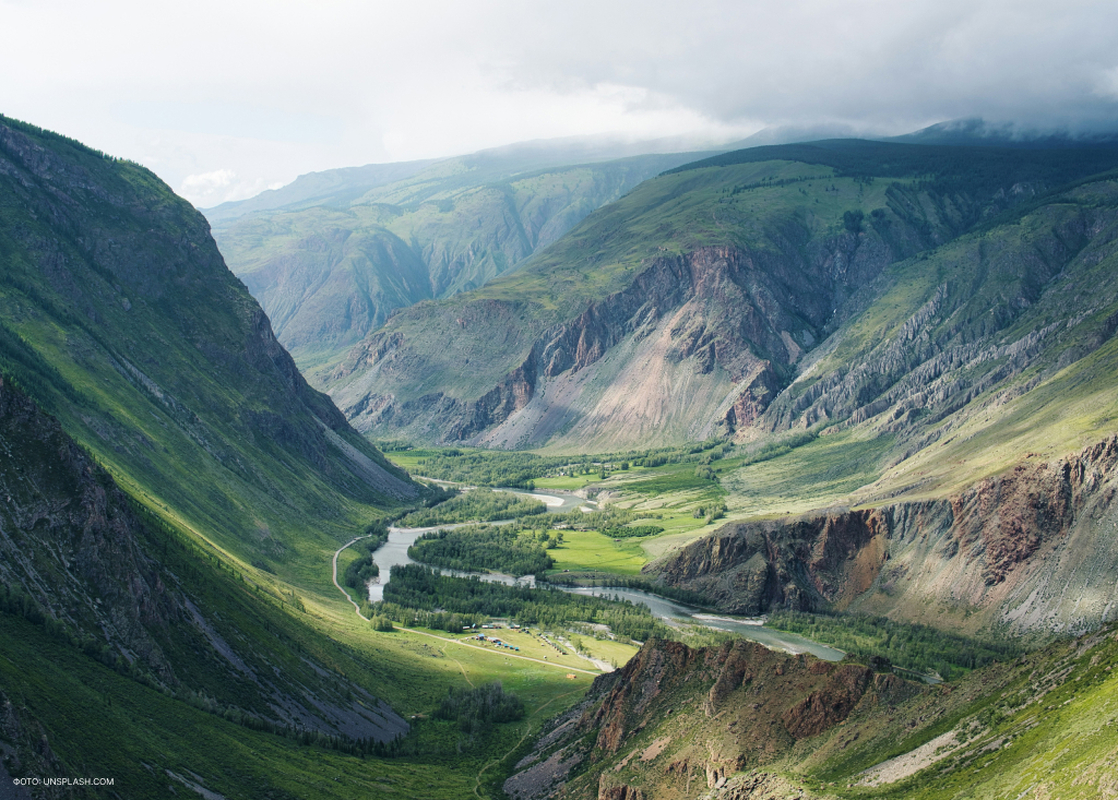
x,y
225,99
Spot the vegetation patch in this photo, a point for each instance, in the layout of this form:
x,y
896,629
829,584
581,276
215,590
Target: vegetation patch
x,y
477,505
415,587
363,569
917,648
476,710
477,548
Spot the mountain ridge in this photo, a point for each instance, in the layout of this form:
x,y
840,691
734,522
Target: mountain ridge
x,y
331,268
127,326
570,297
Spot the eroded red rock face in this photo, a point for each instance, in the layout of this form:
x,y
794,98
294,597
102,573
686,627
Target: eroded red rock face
x,y
987,548
656,721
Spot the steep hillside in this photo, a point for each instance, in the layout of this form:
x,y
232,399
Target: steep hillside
x,y
80,558
333,255
174,497
740,722
706,300
119,317
1029,553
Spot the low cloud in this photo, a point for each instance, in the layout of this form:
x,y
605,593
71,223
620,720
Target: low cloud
x,y
236,97
209,189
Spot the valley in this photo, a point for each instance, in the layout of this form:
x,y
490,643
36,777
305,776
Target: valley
x,y
861,392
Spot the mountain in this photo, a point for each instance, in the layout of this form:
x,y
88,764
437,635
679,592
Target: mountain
x,y
1023,555
739,721
173,491
119,316
333,255
776,288
977,131
83,565
330,187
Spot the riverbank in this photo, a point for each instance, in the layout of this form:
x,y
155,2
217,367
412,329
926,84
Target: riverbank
x,y
394,552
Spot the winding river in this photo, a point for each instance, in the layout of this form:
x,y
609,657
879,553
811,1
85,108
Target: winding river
x,y
394,553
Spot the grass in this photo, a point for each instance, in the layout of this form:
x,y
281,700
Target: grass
x,y
1074,408
612,652
590,551
568,483
493,656
821,473
101,724
1048,727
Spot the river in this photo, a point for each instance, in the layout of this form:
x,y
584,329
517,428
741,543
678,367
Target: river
x,y
394,553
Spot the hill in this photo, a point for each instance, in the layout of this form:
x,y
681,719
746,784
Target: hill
x,y
173,492
739,721
119,317
334,254
713,300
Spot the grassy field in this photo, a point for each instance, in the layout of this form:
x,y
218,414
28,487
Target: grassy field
x,y
616,653
569,483
818,474
591,551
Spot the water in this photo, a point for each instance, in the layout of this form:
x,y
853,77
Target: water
x,y
752,629
394,553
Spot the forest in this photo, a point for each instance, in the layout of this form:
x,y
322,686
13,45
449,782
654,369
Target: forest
x,y
476,505
909,646
414,588
363,569
475,548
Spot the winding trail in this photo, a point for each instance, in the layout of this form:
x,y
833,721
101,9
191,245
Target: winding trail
x,y
460,643
459,663
337,553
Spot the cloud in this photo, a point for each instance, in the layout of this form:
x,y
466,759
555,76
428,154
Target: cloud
x,y
219,186
271,90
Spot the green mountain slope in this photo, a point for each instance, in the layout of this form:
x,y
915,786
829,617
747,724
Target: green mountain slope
x,y
166,610
95,570
685,309
334,254
119,317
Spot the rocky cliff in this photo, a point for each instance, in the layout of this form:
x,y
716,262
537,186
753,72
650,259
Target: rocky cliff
x,y
677,722
739,722
1030,551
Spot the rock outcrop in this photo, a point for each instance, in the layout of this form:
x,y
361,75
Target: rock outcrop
x,y
654,729
1026,550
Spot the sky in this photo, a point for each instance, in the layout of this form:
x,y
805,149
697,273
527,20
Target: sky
x,y
225,99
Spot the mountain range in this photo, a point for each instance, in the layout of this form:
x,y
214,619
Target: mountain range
x,y
331,256
907,347
923,335
840,286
